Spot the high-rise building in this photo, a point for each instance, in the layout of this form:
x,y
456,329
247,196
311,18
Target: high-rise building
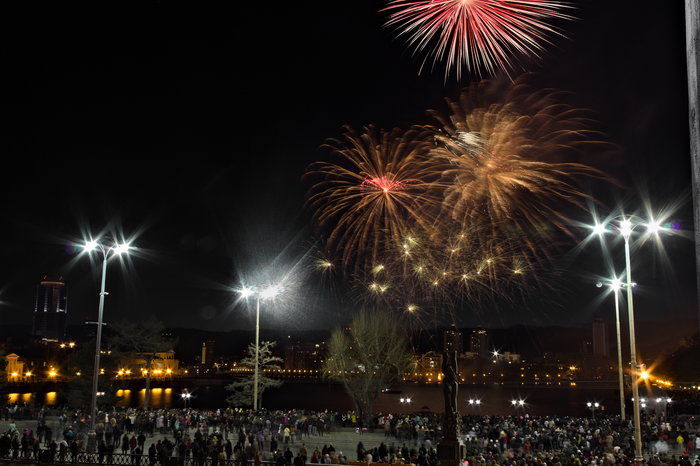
x,y
601,343
479,343
208,352
452,340
50,309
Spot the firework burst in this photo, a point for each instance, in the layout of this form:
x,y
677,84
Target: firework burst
x,y
466,210
475,34
380,184
502,163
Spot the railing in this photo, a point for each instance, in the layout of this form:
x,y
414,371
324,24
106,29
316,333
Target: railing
x,y
45,457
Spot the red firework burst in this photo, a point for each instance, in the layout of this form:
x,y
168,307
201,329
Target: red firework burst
x,y
477,34
385,183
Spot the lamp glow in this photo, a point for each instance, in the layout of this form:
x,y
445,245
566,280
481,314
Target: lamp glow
x,y
626,227
653,227
122,248
599,229
246,292
270,292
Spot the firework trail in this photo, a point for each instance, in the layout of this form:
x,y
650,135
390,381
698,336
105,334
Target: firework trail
x,y
475,34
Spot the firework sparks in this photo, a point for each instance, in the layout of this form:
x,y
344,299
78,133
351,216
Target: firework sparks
x,y
475,34
467,210
501,163
380,185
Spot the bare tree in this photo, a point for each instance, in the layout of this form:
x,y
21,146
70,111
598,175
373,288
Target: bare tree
x,y
242,389
142,339
370,355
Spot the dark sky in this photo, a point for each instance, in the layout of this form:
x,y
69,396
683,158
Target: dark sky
x,y
190,127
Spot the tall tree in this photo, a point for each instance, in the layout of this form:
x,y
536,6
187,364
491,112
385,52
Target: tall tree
x,y
371,354
242,389
144,340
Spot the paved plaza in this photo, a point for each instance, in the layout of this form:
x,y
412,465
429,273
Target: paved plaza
x,y
343,439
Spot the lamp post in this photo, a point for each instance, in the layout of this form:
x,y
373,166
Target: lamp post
x,y
268,293
113,249
593,406
185,397
625,227
626,230
615,285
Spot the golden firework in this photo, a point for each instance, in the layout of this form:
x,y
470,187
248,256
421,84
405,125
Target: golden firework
x,y
501,159
380,184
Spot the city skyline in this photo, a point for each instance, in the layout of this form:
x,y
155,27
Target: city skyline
x,y
210,199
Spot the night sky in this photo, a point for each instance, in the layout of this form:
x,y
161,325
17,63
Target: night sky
x,y
188,128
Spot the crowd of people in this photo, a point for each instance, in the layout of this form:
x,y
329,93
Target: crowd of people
x,y
235,436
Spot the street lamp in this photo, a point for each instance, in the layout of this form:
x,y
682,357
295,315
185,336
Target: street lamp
x,y
270,293
107,251
185,397
593,406
625,226
616,285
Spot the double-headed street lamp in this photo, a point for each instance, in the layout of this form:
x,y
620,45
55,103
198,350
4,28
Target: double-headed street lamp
x,y
267,293
625,226
185,397
593,406
107,251
616,285
517,403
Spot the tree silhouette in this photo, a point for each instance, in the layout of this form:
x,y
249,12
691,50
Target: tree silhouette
x,y
242,389
371,354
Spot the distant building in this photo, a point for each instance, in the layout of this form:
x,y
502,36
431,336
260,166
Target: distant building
x,y
430,364
163,364
50,308
601,342
479,343
452,340
208,353
14,368
304,356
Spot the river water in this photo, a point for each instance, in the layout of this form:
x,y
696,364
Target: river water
x,y
493,399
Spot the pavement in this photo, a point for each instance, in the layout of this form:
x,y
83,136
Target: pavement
x,y
343,439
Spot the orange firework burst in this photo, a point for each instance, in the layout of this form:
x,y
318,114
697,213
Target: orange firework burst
x,y
501,162
380,185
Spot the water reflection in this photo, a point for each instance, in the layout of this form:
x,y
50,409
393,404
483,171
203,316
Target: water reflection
x,y
49,398
160,398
